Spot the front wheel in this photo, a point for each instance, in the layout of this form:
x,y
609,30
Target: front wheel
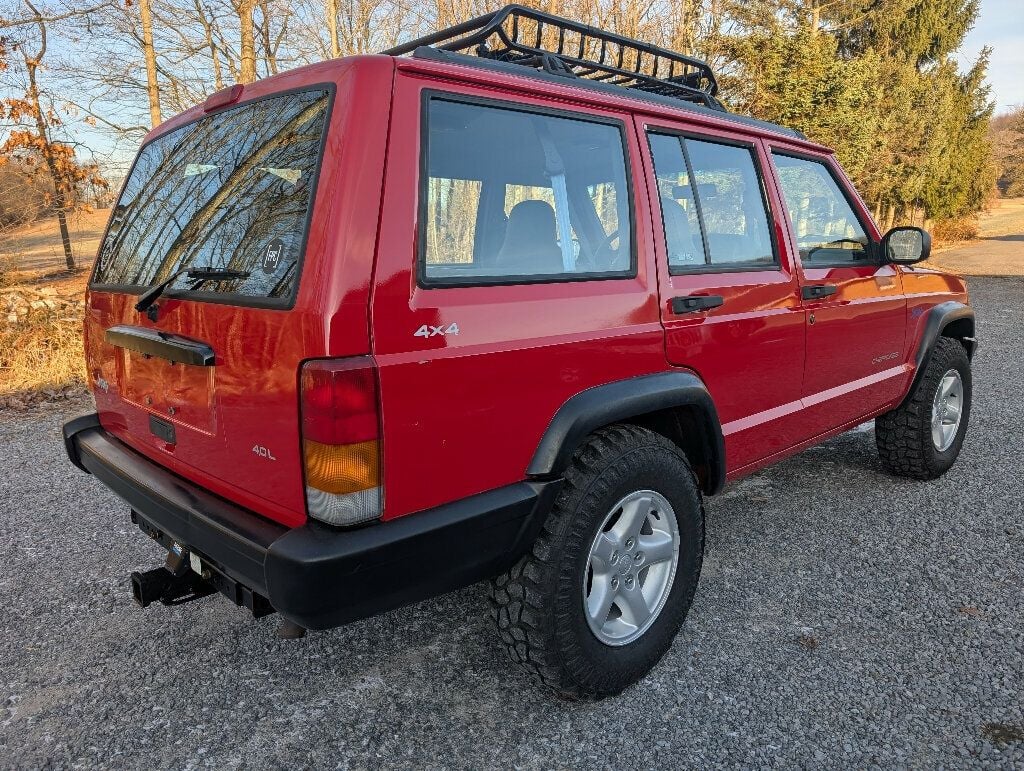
x,y
921,438
600,597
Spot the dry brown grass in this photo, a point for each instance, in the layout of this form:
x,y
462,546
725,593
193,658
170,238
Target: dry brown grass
x,y
7,274
41,353
45,353
955,230
40,340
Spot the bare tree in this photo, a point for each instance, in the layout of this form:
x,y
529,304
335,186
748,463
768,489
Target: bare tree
x,y
208,35
152,87
56,158
331,12
244,10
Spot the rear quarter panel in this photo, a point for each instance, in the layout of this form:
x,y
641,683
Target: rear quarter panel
x,y
464,414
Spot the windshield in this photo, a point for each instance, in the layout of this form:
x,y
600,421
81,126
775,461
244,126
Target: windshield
x,y
231,191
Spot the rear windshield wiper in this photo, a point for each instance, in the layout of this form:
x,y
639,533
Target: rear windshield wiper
x,y
198,275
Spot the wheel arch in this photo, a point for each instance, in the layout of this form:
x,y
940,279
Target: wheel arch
x,y
676,405
949,319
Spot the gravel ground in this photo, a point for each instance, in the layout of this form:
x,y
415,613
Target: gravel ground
x,y
844,618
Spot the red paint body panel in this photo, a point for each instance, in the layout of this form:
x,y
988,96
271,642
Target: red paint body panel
x,y
464,414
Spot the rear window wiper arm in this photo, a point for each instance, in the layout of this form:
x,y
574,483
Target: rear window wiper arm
x,y
198,276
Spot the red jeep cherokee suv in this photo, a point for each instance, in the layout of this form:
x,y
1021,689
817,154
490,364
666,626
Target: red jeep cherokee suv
x,y
381,327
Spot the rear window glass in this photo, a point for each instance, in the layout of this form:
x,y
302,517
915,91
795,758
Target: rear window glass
x,y
229,191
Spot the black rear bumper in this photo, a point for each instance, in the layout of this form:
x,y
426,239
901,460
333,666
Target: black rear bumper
x,y
316,575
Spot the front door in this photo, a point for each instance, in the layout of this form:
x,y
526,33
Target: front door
x,y
729,295
855,305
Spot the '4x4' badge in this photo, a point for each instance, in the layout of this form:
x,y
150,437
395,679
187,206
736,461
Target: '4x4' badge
x,y
428,330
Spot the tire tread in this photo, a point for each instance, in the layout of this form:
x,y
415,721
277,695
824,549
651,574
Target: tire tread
x,y
903,435
520,607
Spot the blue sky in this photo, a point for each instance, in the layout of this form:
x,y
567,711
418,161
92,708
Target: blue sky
x,y
1001,26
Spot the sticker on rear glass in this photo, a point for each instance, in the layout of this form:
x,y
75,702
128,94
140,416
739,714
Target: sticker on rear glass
x,y
272,257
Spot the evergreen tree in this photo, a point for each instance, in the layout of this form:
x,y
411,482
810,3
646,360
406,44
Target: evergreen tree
x,y
878,83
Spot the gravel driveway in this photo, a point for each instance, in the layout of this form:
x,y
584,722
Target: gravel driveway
x,y
844,617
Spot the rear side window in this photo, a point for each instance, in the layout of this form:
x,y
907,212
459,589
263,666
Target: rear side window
x,y
826,229
683,236
713,205
511,196
232,190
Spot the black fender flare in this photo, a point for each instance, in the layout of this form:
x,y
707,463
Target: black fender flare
x,y
939,318
623,400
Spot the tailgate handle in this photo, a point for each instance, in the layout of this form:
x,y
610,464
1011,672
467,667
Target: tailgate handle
x,y
817,291
163,345
696,302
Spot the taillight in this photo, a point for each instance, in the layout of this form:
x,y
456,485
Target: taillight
x,y
341,440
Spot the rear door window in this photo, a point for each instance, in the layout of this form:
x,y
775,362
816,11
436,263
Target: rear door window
x,y
514,196
713,205
232,190
683,237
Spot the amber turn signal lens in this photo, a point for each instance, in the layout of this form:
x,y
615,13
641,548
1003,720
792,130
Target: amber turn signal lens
x,y
342,468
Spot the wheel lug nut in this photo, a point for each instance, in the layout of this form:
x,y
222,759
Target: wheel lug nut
x,y
615,582
629,543
629,582
614,558
638,557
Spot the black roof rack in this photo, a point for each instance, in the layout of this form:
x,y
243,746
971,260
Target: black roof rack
x,y
559,46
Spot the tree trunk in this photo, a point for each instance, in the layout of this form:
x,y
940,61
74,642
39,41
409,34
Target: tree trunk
x,y
218,78
65,236
331,12
244,9
152,87
268,50
60,199
890,217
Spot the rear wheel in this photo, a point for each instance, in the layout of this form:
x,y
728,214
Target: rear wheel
x,y
608,583
922,437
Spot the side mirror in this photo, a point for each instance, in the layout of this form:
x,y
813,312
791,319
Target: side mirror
x,y
906,245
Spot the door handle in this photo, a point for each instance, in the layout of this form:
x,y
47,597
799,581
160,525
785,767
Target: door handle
x,y
696,302
817,291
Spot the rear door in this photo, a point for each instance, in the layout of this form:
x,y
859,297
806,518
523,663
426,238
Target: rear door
x,y
729,295
855,305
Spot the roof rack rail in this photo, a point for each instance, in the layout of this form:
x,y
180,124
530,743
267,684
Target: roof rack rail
x,y
560,46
